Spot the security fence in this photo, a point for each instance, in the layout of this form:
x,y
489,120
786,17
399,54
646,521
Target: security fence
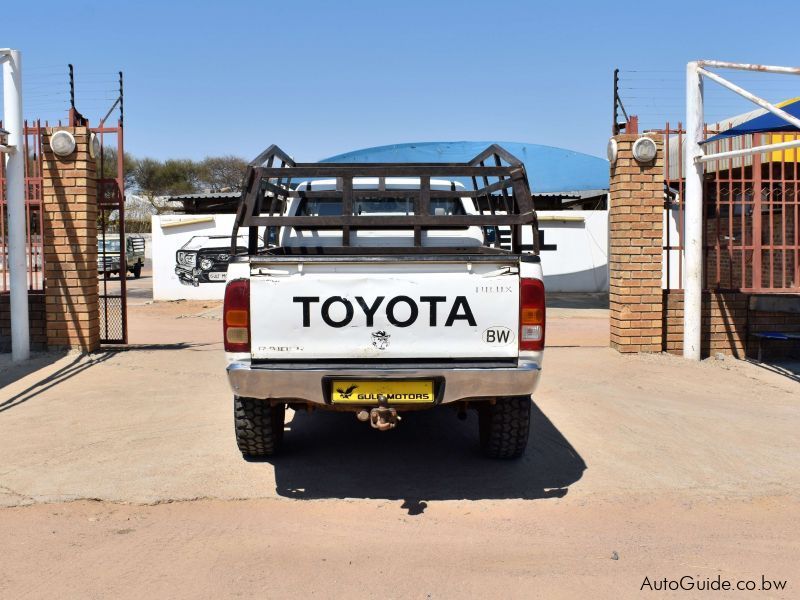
x,y
33,212
751,210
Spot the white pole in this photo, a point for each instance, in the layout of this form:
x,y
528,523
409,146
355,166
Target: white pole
x,y
721,64
693,221
752,150
752,97
15,200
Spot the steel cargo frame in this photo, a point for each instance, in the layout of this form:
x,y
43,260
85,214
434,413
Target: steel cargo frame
x,y
499,183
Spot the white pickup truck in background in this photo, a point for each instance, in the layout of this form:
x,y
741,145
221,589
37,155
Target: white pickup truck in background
x,y
385,294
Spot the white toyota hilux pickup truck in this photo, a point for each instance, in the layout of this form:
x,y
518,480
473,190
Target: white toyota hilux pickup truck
x,y
387,291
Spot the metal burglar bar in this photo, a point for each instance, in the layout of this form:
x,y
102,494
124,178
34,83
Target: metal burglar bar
x,y
110,184
112,297
110,197
499,184
33,212
695,158
751,211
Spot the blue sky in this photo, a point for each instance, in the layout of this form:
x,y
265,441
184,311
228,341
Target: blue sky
x,y
320,78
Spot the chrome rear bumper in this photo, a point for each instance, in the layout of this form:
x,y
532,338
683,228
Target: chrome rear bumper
x,y
306,382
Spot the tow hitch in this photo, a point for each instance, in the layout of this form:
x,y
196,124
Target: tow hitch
x,y
382,418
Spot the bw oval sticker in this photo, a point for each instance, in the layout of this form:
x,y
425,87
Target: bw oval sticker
x,y
498,335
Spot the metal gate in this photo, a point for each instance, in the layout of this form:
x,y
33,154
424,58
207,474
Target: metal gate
x,y
112,303
111,241
749,183
33,212
751,213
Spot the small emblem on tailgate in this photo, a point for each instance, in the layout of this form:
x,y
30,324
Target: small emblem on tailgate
x,y
380,339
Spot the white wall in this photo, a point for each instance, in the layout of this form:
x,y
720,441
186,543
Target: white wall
x,y
169,234
580,261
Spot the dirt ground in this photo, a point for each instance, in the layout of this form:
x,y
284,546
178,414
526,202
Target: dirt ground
x,y
120,478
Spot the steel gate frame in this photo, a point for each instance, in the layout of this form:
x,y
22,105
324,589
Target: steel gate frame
x,y
34,215
751,213
694,161
110,197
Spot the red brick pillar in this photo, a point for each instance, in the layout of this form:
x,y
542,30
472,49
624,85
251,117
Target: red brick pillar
x,y
70,244
635,224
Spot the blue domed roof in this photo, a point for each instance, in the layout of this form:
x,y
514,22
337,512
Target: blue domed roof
x,y
549,169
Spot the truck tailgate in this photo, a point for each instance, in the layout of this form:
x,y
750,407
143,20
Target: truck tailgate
x,y
390,310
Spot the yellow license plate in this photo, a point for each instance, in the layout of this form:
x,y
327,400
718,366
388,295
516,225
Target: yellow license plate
x,y
396,392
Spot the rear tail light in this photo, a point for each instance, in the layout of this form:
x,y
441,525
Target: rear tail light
x,y
236,316
531,314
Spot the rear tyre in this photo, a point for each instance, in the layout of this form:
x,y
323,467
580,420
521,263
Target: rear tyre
x,y
504,427
259,426
137,271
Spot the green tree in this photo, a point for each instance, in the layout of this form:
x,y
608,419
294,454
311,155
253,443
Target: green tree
x,y
147,182
107,167
154,180
180,176
222,173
